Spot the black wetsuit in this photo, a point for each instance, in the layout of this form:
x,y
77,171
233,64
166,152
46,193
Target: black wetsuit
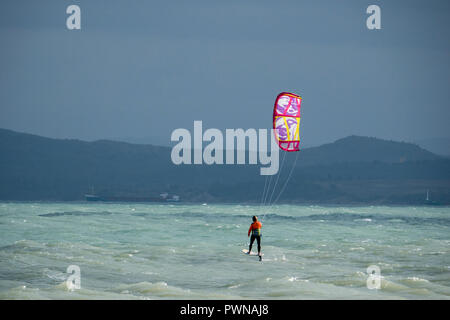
x,y
258,241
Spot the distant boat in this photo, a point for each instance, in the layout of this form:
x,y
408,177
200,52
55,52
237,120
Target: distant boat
x,y
430,202
132,199
174,198
92,197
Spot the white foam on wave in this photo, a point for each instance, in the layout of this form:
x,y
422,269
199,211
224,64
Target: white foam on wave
x,y
292,279
417,279
357,248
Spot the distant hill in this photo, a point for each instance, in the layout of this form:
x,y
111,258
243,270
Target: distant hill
x,y
440,146
364,149
350,170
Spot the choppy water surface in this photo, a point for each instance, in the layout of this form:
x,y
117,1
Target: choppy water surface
x,y
180,251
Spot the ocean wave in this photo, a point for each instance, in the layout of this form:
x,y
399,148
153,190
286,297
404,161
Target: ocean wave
x,y
346,217
75,213
335,217
159,289
162,290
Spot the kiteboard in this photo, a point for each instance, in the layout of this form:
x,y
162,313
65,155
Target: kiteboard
x,y
253,253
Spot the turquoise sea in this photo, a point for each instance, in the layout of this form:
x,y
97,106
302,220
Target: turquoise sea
x,y
187,251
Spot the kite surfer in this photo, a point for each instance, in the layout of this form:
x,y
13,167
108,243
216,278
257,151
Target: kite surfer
x,y
255,230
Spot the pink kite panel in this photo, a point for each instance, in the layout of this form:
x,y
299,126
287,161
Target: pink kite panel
x,y
286,121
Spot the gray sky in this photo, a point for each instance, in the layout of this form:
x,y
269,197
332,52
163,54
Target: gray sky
x,y
144,68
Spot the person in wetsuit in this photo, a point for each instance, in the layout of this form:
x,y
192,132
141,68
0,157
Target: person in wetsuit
x,y
255,230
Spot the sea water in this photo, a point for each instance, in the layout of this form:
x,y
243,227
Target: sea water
x,y
193,251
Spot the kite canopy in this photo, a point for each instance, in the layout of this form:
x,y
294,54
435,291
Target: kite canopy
x,y
286,121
